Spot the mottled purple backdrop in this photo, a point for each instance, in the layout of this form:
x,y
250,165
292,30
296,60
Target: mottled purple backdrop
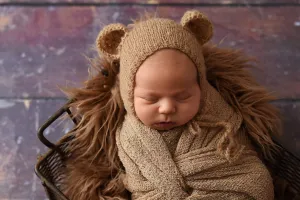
x,y
43,43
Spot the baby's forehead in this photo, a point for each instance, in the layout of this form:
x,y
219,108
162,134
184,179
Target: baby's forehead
x,y
166,69
164,81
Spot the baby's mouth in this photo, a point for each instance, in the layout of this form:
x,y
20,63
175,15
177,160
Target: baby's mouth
x,y
164,125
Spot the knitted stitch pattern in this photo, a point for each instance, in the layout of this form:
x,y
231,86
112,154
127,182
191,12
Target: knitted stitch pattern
x,y
195,170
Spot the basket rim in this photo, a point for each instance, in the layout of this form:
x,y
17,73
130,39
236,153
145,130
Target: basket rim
x,y
42,159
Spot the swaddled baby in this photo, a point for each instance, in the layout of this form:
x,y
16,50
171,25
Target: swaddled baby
x,y
188,120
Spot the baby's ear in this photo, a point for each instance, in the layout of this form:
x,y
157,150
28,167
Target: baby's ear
x,y
110,38
198,24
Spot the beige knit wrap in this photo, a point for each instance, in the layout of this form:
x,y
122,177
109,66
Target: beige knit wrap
x,y
182,163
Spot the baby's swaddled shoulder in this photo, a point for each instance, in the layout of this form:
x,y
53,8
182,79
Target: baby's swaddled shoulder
x,y
257,177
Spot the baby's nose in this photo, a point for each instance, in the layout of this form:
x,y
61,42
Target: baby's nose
x,y
167,107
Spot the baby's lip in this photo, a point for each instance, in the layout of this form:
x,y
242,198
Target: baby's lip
x,y
165,124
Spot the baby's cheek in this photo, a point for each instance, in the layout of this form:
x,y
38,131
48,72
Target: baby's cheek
x,y
143,112
137,106
191,110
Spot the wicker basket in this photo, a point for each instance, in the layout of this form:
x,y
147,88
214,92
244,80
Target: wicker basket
x,y
50,167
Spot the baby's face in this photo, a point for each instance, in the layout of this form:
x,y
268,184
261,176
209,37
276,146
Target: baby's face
x,y
166,93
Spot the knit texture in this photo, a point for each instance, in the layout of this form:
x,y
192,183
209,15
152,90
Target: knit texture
x,y
147,38
193,169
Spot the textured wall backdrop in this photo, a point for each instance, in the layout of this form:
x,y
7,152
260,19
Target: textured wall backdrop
x,y
42,43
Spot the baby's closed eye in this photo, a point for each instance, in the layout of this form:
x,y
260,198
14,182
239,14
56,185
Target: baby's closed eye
x,y
151,99
178,97
183,96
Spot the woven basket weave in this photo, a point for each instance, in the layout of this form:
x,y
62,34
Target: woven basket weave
x,y
50,167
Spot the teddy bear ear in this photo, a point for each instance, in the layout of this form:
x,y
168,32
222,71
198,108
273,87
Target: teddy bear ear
x,y
109,40
198,24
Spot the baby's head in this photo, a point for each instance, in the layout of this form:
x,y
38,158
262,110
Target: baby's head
x,y
162,71
167,91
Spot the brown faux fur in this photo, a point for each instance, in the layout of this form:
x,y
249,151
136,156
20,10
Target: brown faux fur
x,y
94,170
228,71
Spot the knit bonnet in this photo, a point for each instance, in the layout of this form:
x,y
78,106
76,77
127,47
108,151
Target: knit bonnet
x,y
161,167
133,47
183,163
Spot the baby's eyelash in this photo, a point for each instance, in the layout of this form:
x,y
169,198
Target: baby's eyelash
x,y
183,97
151,99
